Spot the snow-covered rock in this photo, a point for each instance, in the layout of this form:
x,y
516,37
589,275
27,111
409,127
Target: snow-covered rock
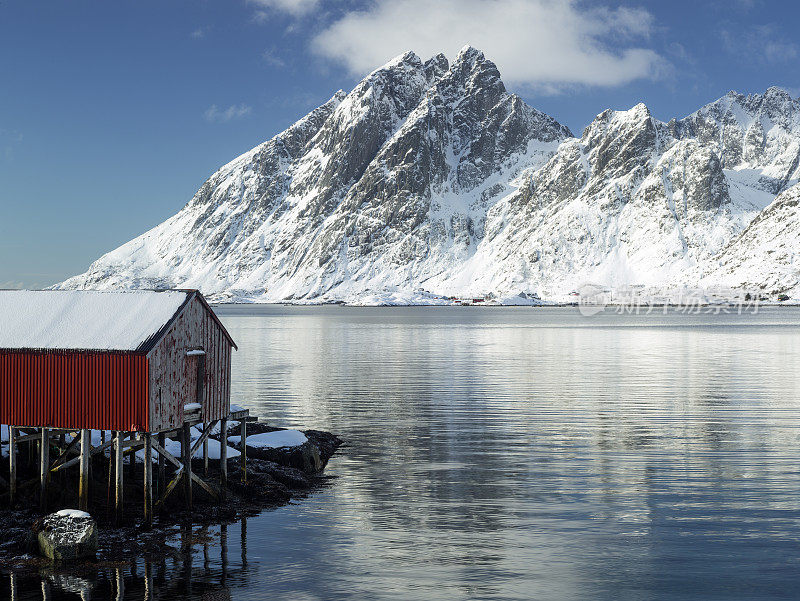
x,y
273,440
429,180
766,256
68,534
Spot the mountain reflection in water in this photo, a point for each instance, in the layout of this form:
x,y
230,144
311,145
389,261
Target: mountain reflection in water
x,y
515,453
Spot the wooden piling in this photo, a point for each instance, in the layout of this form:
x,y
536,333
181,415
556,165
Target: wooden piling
x,y
243,456
118,497
223,455
186,448
44,467
205,454
83,487
148,479
132,464
12,464
162,474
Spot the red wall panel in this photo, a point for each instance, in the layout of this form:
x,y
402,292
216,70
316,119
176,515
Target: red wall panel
x,y
99,391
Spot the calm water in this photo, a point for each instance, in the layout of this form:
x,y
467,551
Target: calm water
x,y
503,453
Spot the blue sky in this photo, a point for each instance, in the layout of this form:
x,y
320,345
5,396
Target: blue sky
x,y
112,114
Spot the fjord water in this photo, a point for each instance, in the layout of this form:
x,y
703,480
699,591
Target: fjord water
x,y
513,453
524,453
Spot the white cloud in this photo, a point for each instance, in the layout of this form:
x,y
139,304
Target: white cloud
x,y
199,33
214,114
544,43
296,8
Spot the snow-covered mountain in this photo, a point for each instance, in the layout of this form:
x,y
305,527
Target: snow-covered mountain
x,y
432,176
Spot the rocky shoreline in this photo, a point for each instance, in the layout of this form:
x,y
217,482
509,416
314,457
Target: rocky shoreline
x,y
275,477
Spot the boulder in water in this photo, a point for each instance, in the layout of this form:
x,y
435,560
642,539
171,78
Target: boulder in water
x,y
66,535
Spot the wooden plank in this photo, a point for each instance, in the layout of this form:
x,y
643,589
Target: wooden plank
x,y
63,456
204,485
239,415
165,453
12,464
176,478
66,464
148,479
203,438
102,447
119,492
44,468
83,488
162,452
186,442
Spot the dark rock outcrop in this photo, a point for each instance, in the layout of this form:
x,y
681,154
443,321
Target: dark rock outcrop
x,y
64,536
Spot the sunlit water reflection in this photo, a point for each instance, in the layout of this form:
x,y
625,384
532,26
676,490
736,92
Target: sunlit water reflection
x,y
501,453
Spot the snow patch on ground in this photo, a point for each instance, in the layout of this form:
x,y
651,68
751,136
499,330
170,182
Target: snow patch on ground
x,y
273,440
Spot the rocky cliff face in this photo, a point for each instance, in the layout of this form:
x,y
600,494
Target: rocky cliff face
x,y
432,176
765,258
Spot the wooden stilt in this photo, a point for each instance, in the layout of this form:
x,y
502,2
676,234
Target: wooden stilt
x,y
12,465
243,456
148,479
44,467
132,467
186,447
205,454
162,475
118,498
83,487
223,455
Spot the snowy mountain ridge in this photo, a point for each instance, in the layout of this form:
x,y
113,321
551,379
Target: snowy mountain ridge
x,y
431,176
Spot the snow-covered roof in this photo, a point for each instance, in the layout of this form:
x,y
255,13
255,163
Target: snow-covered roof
x,y
85,319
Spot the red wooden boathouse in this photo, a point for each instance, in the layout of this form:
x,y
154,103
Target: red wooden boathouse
x,y
135,363
125,361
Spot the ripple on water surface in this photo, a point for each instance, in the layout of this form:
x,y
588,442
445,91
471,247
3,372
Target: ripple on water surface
x,y
525,453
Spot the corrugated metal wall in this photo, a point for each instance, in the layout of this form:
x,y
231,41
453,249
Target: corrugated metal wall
x,y
173,375
100,391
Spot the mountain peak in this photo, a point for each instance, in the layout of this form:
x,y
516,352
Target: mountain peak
x,y
777,91
436,66
431,174
401,61
469,53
